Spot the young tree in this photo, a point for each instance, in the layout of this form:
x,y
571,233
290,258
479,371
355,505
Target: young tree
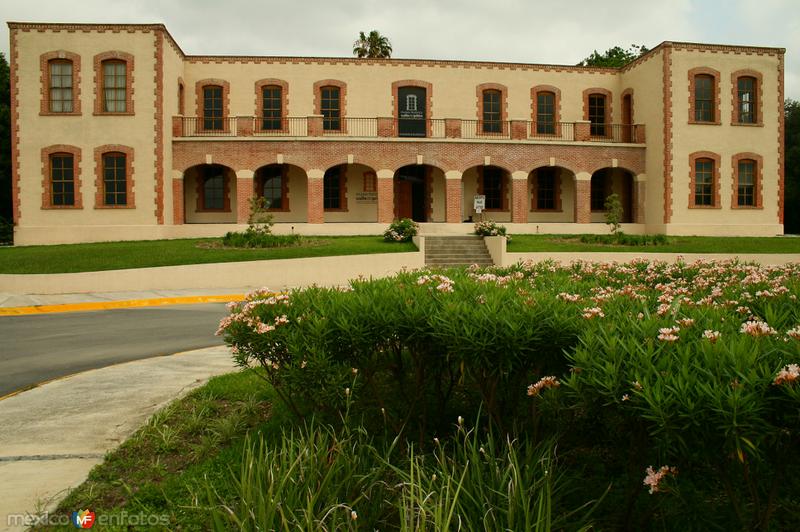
x,y
615,57
373,45
791,205
614,212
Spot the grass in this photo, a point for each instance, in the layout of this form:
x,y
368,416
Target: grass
x,y
675,244
71,258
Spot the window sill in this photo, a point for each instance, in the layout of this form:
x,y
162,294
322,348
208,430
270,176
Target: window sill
x,y
748,207
745,124
126,113
547,210
113,207
61,207
336,210
282,209
696,123
53,113
705,207
217,211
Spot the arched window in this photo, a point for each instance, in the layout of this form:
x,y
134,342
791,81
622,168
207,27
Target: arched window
x,y
333,188
746,183
181,107
546,189
115,179
331,108
746,95
704,98
492,104
214,191
493,185
272,108
62,179
212,107
60,86
600,189
115,86
704,182
545,113
597,115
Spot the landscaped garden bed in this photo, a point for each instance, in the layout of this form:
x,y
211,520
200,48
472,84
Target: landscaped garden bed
x,y
642,396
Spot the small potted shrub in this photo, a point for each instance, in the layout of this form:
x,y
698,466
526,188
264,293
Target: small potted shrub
x,y
490,228
401,230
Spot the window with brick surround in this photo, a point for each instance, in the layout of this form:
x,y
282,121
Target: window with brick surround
x,y
273,187
746,184
272,108
115,86
597,114
704,182
60,90
545,113
704,98
493,187
62,180
746,100
115,179
214,192
212,107
546,189
599,190
333,189
330,108
492,105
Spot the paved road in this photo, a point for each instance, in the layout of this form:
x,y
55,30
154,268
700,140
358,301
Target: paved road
x,y
45,346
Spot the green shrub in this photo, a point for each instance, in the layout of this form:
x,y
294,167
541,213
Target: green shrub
x,y
256,239
623,239
401,230
614,212
490,228
6,232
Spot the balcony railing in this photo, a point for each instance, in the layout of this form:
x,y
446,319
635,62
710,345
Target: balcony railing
x,y
437,128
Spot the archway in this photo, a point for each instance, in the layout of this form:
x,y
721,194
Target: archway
x,y
419,193
607,181
209,194
493,182
551,192
284,188
350,193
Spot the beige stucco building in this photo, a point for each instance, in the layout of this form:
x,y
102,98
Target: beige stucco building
x,y
118,135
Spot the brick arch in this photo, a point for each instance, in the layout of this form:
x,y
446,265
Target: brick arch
x,y
545,163
620,166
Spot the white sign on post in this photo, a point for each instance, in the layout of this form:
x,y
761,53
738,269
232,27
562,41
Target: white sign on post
x,y
480,203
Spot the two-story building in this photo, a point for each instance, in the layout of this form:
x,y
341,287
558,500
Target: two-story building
x,y
117,134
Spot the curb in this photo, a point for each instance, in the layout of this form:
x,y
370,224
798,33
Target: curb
x,y
107,305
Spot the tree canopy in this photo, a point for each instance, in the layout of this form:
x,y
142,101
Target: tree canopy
x,y
615,57
373,45
791,206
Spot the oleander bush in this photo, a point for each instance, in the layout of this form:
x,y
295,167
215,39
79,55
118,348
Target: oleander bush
x,y
671,390
490,228
401,230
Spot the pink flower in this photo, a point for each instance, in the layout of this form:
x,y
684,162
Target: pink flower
x,y
794,333
589,313
757,328
711,336
686,322
545,382
669,334
653,478
788,375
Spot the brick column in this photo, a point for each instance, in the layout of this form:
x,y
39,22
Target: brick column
x,y
519,198
639,190
316,210
244,126
452,128
639,135
245,190
453,195
583,130
519,129
385,196
315,126
177,126
386,127
178,216
583,198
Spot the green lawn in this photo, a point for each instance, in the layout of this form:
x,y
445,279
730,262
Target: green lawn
x,y
143,254
677,244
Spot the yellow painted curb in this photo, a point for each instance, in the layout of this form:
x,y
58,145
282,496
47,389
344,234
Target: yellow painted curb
x,y
106,305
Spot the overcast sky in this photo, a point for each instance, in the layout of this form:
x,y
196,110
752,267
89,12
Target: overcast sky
x,y
494,30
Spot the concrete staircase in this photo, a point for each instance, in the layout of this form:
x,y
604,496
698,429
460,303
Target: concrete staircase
x,y
446,251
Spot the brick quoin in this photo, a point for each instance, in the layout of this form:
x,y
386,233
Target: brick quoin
x,y
583,202
519,201
453,200
316,212
386,200
244,192
178,217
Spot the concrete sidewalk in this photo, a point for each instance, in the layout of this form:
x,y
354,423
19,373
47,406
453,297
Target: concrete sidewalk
x,y
54,434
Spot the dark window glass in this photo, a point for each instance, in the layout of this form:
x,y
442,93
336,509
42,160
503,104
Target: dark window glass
x,y
61,87
546,189
272,108
746,90
114,179
273,187
491,112
114,87
62,179
332,189
597,114
704,98
331,109
545,113
598,191
704,182
212,108
746,191
493,187
214,192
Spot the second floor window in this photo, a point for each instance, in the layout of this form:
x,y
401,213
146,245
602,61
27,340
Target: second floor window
x,y
62,179
115,190
597,114
746,186
115,83
704,98
491,112
330,109
704,182
60,87
746,100
212,107
546,189
272,108
545,113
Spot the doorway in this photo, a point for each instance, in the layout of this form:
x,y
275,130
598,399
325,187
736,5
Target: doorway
x,y
410,193
412,112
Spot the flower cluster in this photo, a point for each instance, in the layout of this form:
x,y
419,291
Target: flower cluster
x,y
490,228
593,312
788,375
757,328
401,230
654,477
669,334
440,283
711,336
572,298
545,382
794,333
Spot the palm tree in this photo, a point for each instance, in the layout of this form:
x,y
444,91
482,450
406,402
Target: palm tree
x,y
373,45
